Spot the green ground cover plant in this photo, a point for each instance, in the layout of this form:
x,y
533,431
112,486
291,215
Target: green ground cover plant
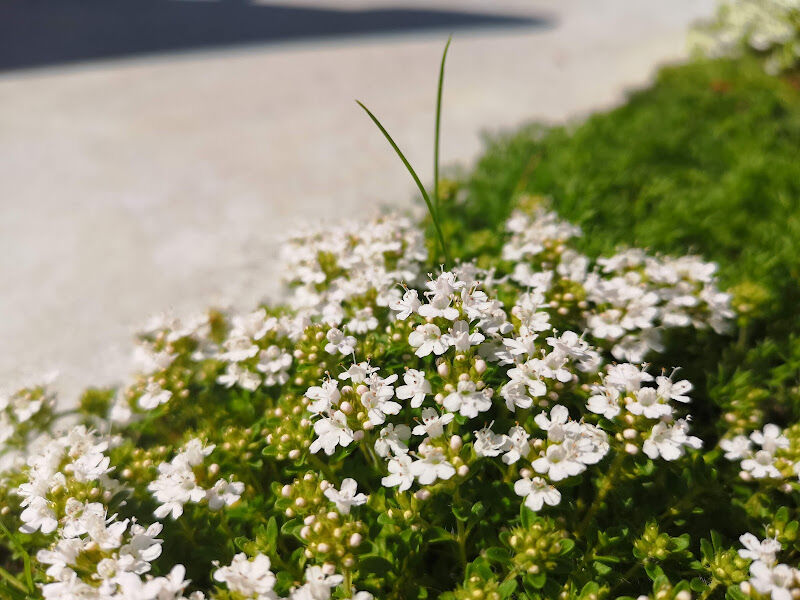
x,y
707,160
578,380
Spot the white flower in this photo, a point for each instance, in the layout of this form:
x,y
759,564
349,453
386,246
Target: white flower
x,y
427,338
648,403
761,465
376,399
248,576
154,395
444,285
605,403
736,448
331,432
468,400
363,321
235,374
399,473
489,443
254,325
537,493
627,377
339,342
323,397
224,493
777,581
439,306
669,442
38,515
554,426
358,373
432,423
569,344
528,374
407,306
345,497
432,466
318,585
557,464
518,446
770,438
460,337
393,438
755,549
275,364
673,390
416,387
239,348
516,395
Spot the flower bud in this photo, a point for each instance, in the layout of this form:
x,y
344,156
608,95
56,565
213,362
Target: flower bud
x,y
456,443
355,540
462,470
346,408
480,366
443,369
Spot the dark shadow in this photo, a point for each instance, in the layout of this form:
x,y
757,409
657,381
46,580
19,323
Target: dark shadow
x,y
45,32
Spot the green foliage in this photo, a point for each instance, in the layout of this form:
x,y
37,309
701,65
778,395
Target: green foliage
x,y
707,160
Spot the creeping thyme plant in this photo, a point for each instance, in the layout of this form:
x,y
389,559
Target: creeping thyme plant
x,y
767,28
414,425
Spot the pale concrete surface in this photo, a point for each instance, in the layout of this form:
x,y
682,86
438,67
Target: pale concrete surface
x,y
133,187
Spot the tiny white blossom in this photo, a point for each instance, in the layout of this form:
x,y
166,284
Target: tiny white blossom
x,y
339,342
416,387
427,338
400,474
432,466
331,432
537,492
346,497
393,439
432,423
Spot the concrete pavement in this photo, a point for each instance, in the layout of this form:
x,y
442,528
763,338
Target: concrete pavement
x,y
134,186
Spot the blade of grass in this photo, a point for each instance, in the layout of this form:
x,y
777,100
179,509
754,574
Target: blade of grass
x,y
13,580
438,127
413,173
26,559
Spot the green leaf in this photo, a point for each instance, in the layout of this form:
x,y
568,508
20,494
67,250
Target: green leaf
x,y
535,582
431,210
373,564
601,569
590,590
507,588
496,554
437,128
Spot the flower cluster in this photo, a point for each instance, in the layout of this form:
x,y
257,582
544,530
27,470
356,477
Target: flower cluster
x,y
768,28
489,429
177,483
767,577
763,454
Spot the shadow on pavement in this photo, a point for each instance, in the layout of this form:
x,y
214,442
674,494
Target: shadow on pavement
x,y
46,32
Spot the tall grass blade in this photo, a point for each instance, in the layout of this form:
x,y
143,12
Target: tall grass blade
x,y
437,128
421,187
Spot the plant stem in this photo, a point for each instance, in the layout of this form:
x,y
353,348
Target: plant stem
x,y
605,488
709,590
